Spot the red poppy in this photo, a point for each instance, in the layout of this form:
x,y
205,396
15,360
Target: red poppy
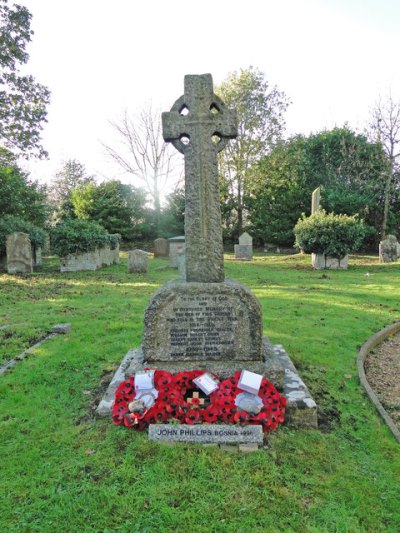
x,y
210,414
241,417
192,416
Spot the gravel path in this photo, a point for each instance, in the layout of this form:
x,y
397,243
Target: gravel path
x,y
382,369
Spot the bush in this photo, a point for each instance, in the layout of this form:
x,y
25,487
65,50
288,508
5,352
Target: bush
x,y
329,234
80,236
10,224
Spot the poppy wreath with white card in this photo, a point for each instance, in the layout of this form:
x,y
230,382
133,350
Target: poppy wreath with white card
x,y
177,398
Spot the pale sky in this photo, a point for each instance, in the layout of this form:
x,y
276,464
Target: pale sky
x,y
333,59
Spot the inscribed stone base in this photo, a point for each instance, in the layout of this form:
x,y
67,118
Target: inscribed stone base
x,y
206,433
203,322
322,261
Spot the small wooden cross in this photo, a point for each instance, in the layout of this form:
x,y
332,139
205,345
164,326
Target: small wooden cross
x,y
196,396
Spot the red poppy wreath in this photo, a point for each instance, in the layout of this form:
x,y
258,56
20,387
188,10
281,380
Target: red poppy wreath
x,y
173,402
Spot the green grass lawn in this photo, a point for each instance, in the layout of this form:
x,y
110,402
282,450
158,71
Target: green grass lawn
x,y
64,470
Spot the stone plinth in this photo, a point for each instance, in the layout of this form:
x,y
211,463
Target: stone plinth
x,y
137,262
244,252
322,261
202,322
176,247
19,254
161,248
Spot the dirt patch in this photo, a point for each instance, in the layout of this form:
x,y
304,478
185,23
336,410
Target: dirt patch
x,y
382,369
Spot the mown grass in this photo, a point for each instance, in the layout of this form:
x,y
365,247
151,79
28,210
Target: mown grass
x,y
64,470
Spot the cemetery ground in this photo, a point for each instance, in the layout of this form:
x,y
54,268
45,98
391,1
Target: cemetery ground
x,y
64,469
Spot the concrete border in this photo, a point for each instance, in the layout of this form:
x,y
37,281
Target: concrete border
x,y
58,329
373,341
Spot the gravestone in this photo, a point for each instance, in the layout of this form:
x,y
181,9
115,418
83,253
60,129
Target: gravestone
x,y
161,248
19,254
203,321
244,250
389,249
176,247
315,200
137,262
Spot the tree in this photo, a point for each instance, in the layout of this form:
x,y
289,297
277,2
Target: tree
x,y
347,166
19,196
22,100
118,207
172,221
143,153
260,110
73,174
385,129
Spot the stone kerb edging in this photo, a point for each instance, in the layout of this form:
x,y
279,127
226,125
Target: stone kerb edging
x,y
373,341
58,329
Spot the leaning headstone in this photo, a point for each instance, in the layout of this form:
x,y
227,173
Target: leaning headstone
x,y
137,262
244,250
316,200
161,248
389,250
176,246
19,254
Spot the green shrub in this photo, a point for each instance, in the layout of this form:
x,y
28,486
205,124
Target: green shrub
x,y
80,236
329,234
10,224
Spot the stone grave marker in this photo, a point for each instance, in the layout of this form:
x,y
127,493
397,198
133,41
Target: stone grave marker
x,y
316,200
244,250
161,248
137,262
389,250
176,247
19,254
204,321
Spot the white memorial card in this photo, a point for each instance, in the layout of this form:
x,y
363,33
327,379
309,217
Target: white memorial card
x,y
207,383
144,380
250,382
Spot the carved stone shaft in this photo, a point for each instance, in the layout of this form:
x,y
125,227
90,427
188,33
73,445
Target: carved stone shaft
x,y
198,125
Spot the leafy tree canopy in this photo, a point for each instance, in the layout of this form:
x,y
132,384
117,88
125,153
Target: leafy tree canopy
x,y
349,169
19,196
118,207
260,108
22,100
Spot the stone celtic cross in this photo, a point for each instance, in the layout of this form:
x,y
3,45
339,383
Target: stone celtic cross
x,y
199,125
